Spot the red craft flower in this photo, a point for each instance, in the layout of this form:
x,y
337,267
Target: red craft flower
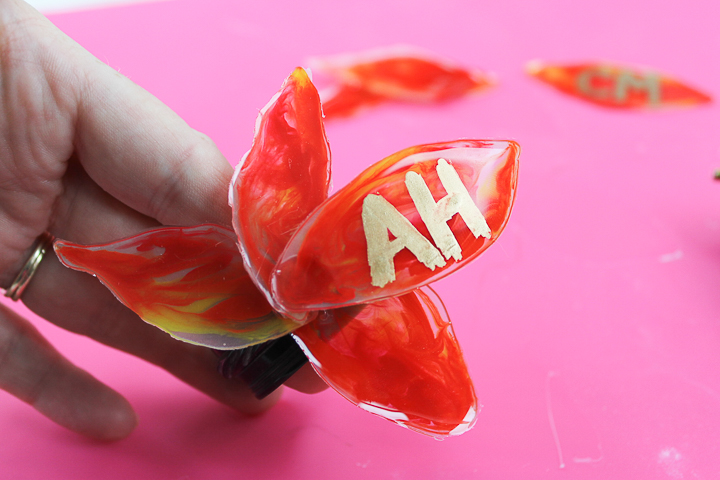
x,y
341,273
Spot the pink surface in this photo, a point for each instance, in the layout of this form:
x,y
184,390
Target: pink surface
x,y
591,329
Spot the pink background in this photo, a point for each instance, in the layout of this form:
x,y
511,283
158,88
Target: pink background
x,y
591,329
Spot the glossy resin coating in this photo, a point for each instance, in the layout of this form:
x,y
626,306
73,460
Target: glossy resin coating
x,y
406,221
344,100
619,87
396,73
397,358
188,281
284,176
345,252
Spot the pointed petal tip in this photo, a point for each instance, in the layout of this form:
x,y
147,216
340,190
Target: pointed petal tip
x,y
302,75
534,67
484,79
70,255
60,247
467,423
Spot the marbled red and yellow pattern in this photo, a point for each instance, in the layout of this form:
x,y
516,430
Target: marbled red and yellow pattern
x,y
284,176
188,281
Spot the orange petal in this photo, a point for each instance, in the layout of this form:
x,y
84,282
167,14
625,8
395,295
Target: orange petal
x,y
344,255
397,358
284,176
188,281
615,86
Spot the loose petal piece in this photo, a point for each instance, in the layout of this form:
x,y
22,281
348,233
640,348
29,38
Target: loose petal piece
x,y
188,281
408,220
345,100
398,73
397,358
614,86
284,176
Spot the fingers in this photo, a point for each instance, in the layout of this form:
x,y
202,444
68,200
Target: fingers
x,y
78,302
306,380
141,152
152,168
32,370
59,99
86,214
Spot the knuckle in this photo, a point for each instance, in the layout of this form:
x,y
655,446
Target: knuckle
x,y
9,338
179,190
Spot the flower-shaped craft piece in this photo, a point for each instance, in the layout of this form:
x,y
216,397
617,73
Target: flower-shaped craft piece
x,y
341,274
618,87
400,73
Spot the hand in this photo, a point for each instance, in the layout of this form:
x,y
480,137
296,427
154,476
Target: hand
x,y
91,157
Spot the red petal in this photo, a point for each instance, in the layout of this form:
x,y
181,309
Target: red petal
x,y
188,281
328,261
397,358
619,87
284,176
397,73
346,100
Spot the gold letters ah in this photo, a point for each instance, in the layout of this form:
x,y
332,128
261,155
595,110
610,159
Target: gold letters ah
x,y
379,216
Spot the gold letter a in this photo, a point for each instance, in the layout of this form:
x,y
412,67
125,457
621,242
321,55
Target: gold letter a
x,y
379,216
